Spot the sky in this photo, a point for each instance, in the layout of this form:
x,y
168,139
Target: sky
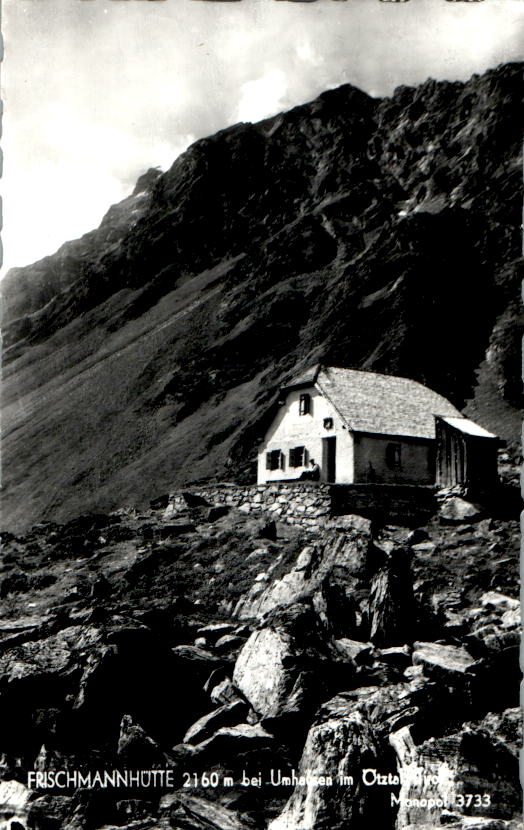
x,y
97,91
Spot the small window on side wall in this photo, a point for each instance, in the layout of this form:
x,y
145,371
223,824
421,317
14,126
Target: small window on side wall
x,y
328,423
274,460
304,404
393,456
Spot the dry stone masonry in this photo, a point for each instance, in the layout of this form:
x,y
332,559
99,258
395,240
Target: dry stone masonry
x,y
310,504
305,504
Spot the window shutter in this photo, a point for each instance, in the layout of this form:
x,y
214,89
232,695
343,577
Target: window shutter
x,y
305,457
268,461
281,460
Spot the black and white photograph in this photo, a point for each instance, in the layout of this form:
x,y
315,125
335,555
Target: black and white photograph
x,y
261,415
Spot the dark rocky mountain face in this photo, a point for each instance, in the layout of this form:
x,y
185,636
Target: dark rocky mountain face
x,y
374,234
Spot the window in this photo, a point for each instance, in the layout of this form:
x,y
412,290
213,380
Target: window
x,y
298,457
305,404
393,456
328,423
274,460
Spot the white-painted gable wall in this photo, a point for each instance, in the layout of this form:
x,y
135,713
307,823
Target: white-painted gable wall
x,y
290,430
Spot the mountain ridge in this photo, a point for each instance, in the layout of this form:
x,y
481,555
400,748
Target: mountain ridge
x,y
351,230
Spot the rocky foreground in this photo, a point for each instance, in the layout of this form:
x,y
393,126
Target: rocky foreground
x,y
361,676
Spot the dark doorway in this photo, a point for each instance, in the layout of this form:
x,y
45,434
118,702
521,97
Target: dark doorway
x,y
329,456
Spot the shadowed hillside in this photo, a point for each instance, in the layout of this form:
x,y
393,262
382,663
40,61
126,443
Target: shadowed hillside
x,y
374,234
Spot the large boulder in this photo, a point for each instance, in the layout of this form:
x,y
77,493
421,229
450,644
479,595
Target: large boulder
x,y
444,662
231,741
282,668
455,510
355,650
260,673
495,625
264,674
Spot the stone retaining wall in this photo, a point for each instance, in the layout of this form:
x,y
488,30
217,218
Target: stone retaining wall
x,y
307,504
310,504
404,504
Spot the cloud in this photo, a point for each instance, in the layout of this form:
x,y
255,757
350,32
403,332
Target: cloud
x,y
307,53
77,170
95,93
262,97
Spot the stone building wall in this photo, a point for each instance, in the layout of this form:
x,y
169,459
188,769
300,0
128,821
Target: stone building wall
x,y
403,504
306,504
310,504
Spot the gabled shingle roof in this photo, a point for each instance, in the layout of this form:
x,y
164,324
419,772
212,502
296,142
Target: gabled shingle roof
x,y
305,378
383,404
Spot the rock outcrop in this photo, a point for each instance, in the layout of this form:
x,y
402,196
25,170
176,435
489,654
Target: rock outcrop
x,y
392,611
229,714
472,772
344,558
324,796
348,739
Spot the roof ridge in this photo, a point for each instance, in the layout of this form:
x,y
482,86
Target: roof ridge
x,y
381,374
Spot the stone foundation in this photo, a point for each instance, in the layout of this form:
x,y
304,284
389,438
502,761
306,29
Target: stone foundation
x,y
307,504
404,504
310,504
